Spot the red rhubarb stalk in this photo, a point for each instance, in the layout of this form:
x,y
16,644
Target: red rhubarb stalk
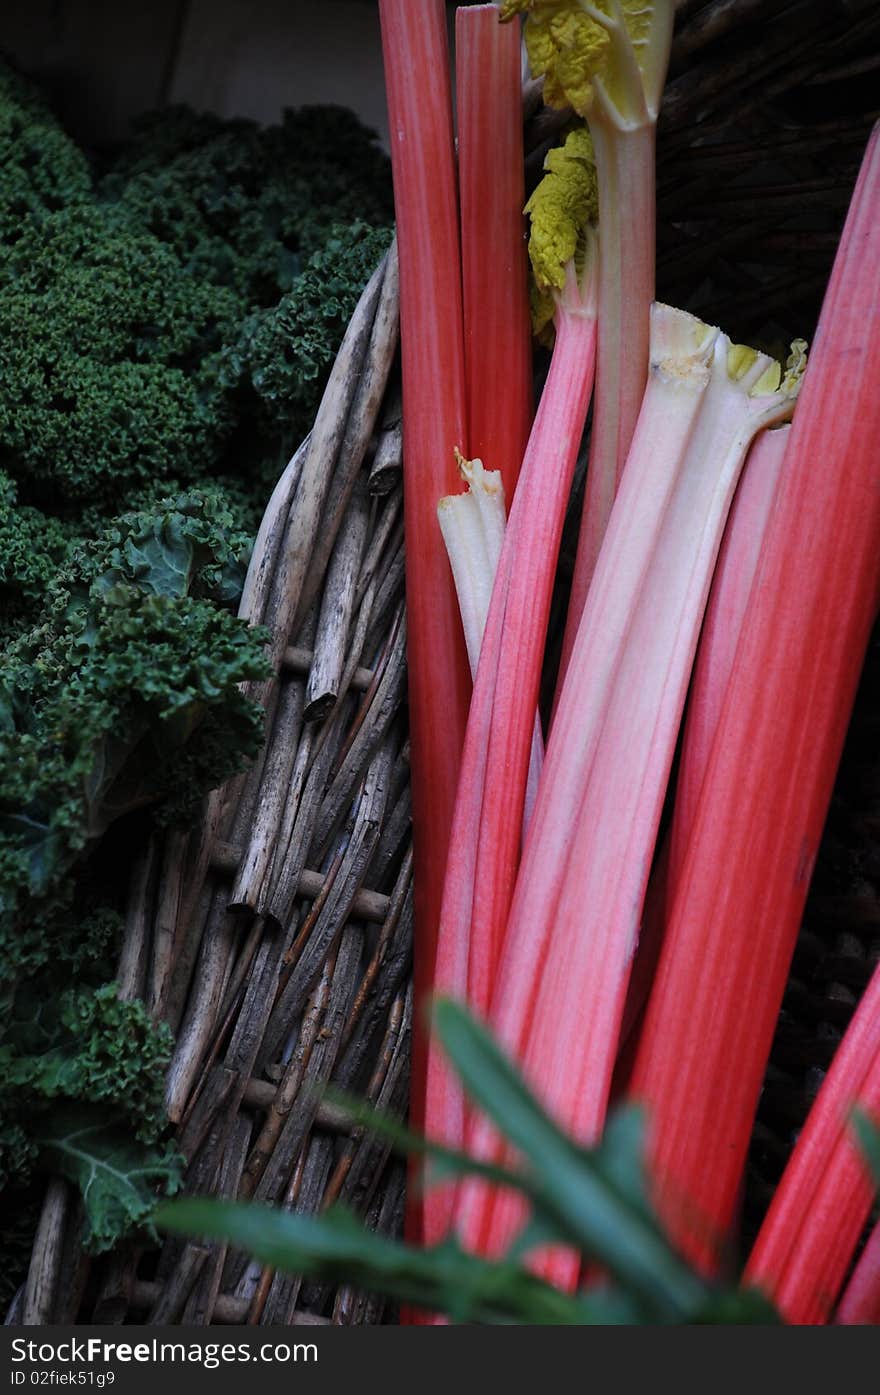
x,y
485,845
731,933
731,587
414,44
806,1244
491,177
573,925
860,1304
486,839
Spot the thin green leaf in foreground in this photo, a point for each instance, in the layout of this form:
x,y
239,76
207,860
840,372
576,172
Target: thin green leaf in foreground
x,y
595,1201
337,1247
598,1198
868,1135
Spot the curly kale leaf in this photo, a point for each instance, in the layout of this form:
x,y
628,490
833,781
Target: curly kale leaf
x,y
283,356
245,206
128,694
105,359
98,1049
73,1056
41,170
33,545
81,1095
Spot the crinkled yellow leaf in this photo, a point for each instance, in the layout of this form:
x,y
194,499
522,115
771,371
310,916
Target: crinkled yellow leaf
x,y
571,45
560,208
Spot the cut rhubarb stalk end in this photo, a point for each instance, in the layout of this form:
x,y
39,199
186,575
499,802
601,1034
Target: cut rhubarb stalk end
x,y
472,524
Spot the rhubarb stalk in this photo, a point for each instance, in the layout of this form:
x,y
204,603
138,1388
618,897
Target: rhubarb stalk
x,y
727,949
860,1304
416,59
494,264
731,585
473,526
485,846
608,60
819,1209
572,929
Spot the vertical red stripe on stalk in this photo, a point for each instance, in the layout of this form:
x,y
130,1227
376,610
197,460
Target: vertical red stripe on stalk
x,y
415,50
491,174
733,925
806,1244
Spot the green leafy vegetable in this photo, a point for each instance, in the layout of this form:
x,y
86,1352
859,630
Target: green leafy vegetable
x,y
136,456
117,1179
284,353
244,206
103,343
126,695
40,167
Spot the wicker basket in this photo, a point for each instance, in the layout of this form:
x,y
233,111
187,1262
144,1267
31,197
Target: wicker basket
x,y
276,938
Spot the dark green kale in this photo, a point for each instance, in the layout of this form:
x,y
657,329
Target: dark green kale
x,y
245,206
83,1081
41,170
283,356
126,695
151,386
32,547
103,341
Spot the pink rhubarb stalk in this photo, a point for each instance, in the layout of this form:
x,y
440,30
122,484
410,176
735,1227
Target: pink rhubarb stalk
x,y
806,1244
569,943
719,636
731,932
491,176
485,845
608,61
860,1304
486,840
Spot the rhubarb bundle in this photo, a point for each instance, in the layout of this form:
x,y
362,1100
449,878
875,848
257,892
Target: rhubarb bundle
x,y
698,605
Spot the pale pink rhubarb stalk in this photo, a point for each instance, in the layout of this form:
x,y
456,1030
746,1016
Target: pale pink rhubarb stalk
x,y
806,1243
727,949
494,263
860,1304
485,845
716,651
608,61
565,964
